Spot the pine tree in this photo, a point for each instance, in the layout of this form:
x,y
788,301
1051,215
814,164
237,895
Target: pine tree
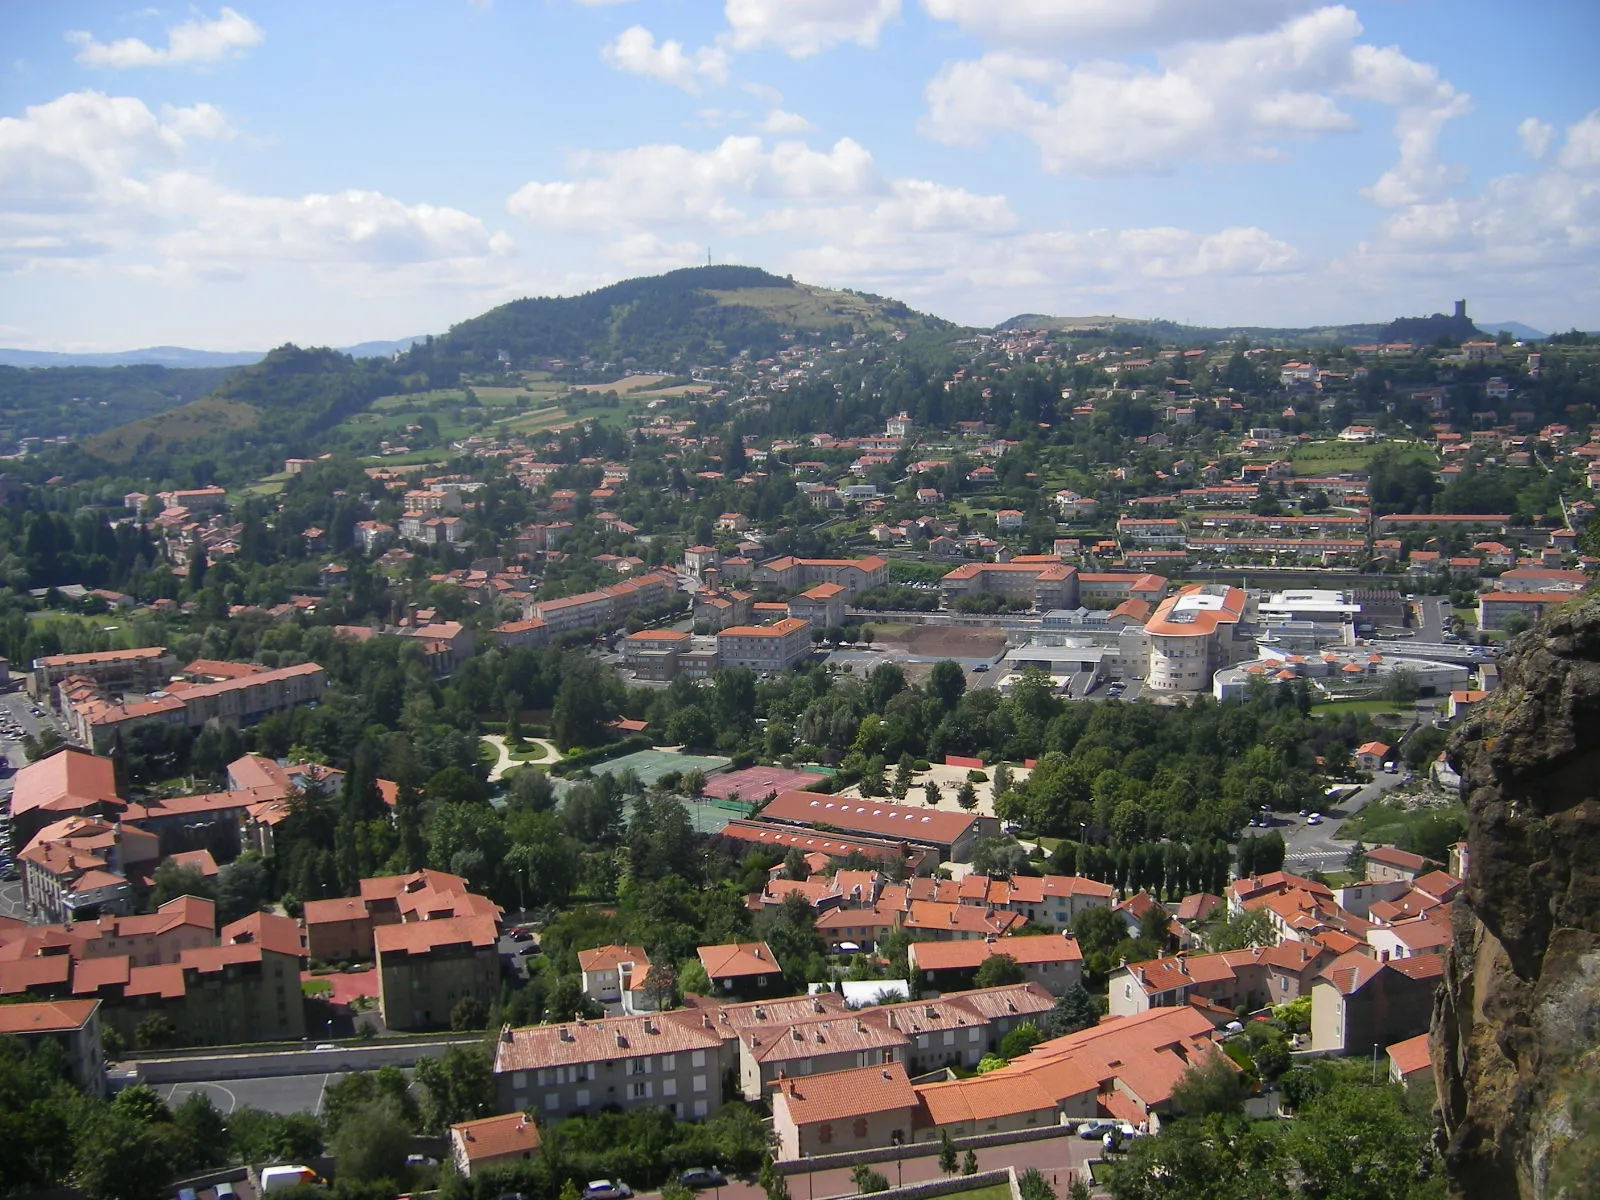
x,y
969,1165
930,791
947,1153
967,796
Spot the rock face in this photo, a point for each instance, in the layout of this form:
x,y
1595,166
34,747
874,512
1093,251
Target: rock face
x,y
1516,1034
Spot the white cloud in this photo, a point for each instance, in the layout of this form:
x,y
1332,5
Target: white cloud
x,y
666,186
801,28
90,175
1536,136
779,122
1539,230
1082,27
1231,100
194,42
636,51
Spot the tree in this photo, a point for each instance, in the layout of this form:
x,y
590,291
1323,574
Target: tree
x,y
969,1164
947,1153
171,881
996,971
205,1129
242,887
120,1157
469,1013
946,682
1207,1158
902,778
1032,1185
372,1143
771,1182
581,708
457,1086
1213,1085
1355,1139
1514,623
967,796
1002,778
1251,928
867,1180
155,1032
1020,1040
359,1089
930,792
1073,1010
1356,861
794,865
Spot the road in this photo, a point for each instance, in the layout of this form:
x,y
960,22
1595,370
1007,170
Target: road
x,y
1055,1159
1312,847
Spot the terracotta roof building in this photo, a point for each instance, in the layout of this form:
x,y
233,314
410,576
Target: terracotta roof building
x,y
493,1142
859,1109
426,968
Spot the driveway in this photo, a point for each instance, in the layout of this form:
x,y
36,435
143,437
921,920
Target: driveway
x,y
505,762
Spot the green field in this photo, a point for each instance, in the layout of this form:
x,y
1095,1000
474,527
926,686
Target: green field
x,y
1338,708
1331,458
805,307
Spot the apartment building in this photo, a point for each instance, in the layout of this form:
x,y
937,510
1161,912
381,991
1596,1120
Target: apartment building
x,y
1042,581
1252,978
832,1042
141,670
67,783
1055,900
1051,960
74,1025
1495,609
1358,1003
427,967
820,605
765,648
791,574
580,1067
653,653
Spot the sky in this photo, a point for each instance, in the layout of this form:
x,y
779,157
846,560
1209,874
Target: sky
x,y
234,177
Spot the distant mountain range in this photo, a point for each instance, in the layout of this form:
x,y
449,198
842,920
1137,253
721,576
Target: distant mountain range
x,y
1312,335
1523,333
180,356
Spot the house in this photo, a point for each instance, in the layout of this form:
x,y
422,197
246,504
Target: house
x,y
1385,862
1370,756
1411,1064
615,975
997,1103
426,968
493,1142
1359,1004
671,1061
742,968
864,1108
1051,960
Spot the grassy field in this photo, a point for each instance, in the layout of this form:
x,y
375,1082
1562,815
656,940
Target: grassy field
x,y
1467,616
1338,708
1426,831
806,307
175,427
1331,458
73,625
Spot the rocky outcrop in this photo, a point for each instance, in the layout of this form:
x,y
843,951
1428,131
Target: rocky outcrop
x,y
1516,1034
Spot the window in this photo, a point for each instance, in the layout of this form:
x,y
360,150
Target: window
x,y
697,1059
949,1037
583,1097
972,1034
552,1101
825,1134
860,1128
669,1087
700,1108
699,1083
669,1062
640,1090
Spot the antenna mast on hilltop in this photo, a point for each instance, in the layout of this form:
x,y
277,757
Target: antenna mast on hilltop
x,y
708,256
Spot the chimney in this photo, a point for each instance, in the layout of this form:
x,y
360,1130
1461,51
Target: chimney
x,y
505,1034
705,1021
756,951
566,1034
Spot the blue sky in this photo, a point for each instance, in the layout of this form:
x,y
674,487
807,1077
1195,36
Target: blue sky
x,y
234,177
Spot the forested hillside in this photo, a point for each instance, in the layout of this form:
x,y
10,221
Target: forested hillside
x,y
79,401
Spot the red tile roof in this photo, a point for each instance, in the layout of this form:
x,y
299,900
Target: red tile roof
x,y
67,781
421,937
50,1016
840,1095
737,959
496,1137
1411,1055
272,932
968,954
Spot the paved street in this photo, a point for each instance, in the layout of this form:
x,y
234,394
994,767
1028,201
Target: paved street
x,y
1312,847
1055,1159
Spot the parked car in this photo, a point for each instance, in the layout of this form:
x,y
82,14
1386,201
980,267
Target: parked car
x,y
520,935
1314,819
607,1189
1091,1130
702,1177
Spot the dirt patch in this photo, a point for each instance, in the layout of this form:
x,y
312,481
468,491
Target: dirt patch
x,y
949,641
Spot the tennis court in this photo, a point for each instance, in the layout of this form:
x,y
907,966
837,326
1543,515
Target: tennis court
x,y
651,765
754,783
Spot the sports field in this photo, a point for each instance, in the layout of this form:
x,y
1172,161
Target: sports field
x,y
651,765
753,783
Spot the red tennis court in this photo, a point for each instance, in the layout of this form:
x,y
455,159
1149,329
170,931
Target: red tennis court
x,y
753,783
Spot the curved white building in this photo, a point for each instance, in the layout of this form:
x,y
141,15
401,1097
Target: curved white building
x,y
1191,634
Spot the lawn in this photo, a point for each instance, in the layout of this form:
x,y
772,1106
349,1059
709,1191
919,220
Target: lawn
x,y
1467,616
1331,458
1338,708
995,1191
1426,831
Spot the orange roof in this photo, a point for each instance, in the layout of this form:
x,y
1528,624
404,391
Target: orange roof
x,y
583,1041
92,974
878,818
1029,950
609,958
325,912
270,931
165,980
387,887
777,629
50,1016
67,781
1389,856
736,959
1411,1055
657,635
1197,611
839,1095
496,1137
421,937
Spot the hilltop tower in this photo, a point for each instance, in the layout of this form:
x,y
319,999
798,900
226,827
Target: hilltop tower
x,y
1461,310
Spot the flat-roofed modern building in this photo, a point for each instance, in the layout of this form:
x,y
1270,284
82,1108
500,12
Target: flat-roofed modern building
x,y
1192,633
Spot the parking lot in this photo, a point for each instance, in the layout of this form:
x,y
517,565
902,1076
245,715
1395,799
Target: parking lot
x,y
275,1094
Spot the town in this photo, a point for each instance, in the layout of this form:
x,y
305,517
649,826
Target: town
x,y
1052,752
